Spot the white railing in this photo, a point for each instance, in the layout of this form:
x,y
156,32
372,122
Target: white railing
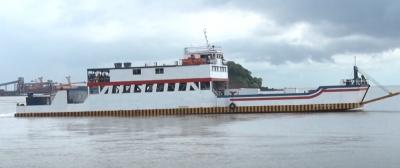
x,y
189,50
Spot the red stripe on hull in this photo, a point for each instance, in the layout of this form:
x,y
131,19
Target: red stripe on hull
x,y
92,84
298,97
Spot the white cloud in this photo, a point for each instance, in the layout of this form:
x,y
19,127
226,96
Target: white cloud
x,y
172,25
106,21
302,34
221,25
32,13
109,31
383,67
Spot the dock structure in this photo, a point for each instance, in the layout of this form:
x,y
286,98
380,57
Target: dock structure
x,y
21,88
12,88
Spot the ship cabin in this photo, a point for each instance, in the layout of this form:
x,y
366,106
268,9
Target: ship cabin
x,y
201,69
357,80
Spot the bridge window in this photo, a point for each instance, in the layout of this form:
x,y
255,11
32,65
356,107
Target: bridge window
x,y
98,75
223,69
171,87
137,71
160,87
159,70
182,86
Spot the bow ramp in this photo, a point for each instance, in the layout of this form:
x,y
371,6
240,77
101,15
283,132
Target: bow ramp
x,y
380,98
370,78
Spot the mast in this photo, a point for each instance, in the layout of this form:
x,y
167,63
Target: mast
x,y
356,73
205,36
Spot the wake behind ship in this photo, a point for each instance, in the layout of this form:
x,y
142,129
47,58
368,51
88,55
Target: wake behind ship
x,y
197,84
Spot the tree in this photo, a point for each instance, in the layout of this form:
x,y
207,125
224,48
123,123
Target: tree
x,y
240,77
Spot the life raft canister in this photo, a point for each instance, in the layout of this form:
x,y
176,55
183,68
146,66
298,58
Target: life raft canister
x,y
232,106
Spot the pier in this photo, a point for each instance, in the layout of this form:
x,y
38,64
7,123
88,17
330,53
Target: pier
x,y
20,88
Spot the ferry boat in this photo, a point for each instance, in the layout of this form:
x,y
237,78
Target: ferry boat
x,y
197,84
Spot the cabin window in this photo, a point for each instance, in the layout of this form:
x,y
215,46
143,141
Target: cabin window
x,y
149,88
102,88
106,89
182,86
205,85
160,87
94,90
98,75
127,89
171,87
159,70
137,71
137,89
191,88
115,89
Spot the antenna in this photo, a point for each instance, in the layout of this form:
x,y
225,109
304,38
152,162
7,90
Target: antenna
x,y
205,36
355,60
68,79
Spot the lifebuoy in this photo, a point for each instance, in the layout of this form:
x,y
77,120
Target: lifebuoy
x,y
232,106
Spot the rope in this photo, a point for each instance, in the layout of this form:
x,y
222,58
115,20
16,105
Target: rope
x,y
374,81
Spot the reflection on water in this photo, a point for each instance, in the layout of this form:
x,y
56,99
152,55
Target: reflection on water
x,y
366,139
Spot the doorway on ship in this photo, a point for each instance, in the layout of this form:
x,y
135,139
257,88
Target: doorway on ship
x,y
219,87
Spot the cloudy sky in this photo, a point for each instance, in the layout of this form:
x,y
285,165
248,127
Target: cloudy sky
x,y
286,42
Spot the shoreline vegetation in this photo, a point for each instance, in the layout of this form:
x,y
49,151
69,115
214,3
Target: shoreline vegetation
x,y
240,77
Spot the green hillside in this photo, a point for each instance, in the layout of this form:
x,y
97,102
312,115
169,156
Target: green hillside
x,y
240,77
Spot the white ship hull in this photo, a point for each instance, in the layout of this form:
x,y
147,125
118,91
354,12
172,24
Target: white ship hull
x,y
335,98
198,85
